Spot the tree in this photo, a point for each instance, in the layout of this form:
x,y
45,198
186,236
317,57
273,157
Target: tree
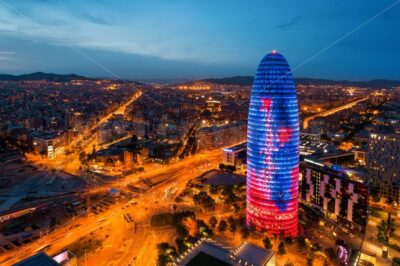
x,y
232,224
301,241
161,247
389,200
203,229
213,221
231,168
166,254
204,200
162,260
180,244
236,207
310,261
331,253
213,190
245,232
229,196
67,152
396,261
267,243
222,226
82,157
252,227
281,248
181,230
316,247
289,240
375,196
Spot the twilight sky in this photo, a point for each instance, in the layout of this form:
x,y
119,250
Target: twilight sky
x,y
184,39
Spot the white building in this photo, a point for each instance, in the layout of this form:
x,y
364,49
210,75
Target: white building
x,y
231,155
49,143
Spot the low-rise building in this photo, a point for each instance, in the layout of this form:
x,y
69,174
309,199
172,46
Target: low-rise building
x,y
232,154
214,107
49,143
208,252
218,136
38,259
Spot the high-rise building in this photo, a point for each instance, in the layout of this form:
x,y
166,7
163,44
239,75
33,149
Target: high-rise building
x,y
383,165
338,193
273,149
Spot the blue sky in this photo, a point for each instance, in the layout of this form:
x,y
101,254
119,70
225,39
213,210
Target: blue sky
x,y
184,39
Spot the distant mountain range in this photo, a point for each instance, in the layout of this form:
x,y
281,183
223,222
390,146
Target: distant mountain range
x,y
42,76
248,80
236,80
55,77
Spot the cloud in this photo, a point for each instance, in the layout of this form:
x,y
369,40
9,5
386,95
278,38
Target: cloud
x,y
103,29
8,61
290,24
6,55
96,19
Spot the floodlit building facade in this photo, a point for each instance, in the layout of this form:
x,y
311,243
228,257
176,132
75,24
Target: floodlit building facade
x,y
273,149
49,143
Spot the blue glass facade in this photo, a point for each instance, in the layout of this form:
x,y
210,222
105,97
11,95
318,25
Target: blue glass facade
x,y
273,149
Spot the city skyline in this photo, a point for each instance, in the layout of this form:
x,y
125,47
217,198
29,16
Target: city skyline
x,y
151,133
139,41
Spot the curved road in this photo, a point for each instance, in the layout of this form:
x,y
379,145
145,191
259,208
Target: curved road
x,y
125,244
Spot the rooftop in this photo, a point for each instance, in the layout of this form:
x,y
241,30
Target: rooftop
x,y
253,255
206,252
210,253
46,134
40,259
204,259
237,147
216,177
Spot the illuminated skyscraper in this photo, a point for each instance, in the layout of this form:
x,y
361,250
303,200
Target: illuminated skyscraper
x,y
273,149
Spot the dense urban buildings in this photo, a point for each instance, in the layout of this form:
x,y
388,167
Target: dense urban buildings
x,y
188,153
273,149
167,152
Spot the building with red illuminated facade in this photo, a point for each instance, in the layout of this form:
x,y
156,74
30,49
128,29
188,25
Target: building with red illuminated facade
x,y
273,149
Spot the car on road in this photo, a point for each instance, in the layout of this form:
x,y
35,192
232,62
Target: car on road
x,y
43,248
74,226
